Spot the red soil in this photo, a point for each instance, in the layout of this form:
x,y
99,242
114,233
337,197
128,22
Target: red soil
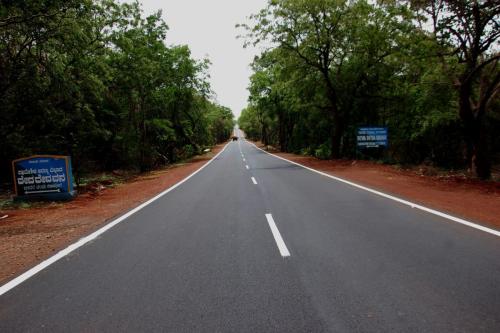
x,y
28,236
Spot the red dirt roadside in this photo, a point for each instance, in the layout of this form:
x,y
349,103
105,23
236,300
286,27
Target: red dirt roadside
x,y
28,236
474,200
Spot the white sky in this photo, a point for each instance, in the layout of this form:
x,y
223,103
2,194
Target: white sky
x,y
207,27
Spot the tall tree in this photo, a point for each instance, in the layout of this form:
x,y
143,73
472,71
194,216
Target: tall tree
x,y
328,36
469,31
96,80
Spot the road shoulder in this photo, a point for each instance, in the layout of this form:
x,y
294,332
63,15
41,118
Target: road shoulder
x,y
28,236
472,200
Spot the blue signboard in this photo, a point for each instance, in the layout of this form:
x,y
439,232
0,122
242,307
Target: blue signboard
x,y
372,137
43,177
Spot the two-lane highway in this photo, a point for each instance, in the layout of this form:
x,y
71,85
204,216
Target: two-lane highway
x,y
253,243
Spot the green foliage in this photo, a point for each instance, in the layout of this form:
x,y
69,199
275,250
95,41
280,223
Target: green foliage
x,y
249,122
332,66
95,80
221,123
323,152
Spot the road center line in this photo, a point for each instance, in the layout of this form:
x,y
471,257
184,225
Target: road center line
x,y
254,181
244,160
246,166
277,236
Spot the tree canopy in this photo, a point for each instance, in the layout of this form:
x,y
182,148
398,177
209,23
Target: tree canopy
x,y
427,70
97,80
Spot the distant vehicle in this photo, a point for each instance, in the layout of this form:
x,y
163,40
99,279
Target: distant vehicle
x,y
235,138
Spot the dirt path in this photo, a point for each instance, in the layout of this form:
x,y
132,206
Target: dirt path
x,y
470,199
28,236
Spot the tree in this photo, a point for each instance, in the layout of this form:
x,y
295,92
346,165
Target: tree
x,y
249,122
468,32
97,81
340,41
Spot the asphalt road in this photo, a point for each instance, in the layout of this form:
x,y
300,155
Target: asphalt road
x,y
206,258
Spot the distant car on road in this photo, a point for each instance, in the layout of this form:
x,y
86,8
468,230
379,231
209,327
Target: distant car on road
x,y
235,138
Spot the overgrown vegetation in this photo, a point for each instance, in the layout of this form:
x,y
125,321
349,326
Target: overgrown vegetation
x,y
96,80
427,69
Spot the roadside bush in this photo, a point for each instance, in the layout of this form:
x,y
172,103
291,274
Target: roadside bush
x,y
323,152
187,152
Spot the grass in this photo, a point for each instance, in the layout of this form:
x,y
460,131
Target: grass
x,y
6,202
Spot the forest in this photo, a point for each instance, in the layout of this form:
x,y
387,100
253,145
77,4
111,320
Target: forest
x,y
428,70
96,80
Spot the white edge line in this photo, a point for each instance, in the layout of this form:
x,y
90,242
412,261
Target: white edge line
x,y
405,202
64,252
277,236
254,181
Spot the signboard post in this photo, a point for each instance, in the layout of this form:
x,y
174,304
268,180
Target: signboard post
x,y
43,177
372,137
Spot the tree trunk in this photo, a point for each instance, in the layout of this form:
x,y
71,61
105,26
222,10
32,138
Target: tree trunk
x,y
264,137
282,132
144,164
482,157
337,121
476,144
337,133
